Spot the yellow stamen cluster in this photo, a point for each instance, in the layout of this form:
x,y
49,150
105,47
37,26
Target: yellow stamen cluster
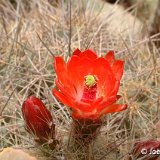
x,y
90,80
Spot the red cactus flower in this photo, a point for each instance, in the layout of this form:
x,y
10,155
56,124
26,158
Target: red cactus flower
x,y
38,119
88,84
150,149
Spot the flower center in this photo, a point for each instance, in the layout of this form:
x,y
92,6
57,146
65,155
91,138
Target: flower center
x,y
90,88
90,80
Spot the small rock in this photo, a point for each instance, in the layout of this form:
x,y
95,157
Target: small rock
x,y
15,154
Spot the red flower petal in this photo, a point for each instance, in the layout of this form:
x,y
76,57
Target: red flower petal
x,y
116,88
78,68
77,52
117,69
65,90
106,102
62,74
88,54
61,70
72,65
64,99
106,80
72,103
115,108
110,57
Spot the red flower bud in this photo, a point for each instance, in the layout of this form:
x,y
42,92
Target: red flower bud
x,y
150,149
38,119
